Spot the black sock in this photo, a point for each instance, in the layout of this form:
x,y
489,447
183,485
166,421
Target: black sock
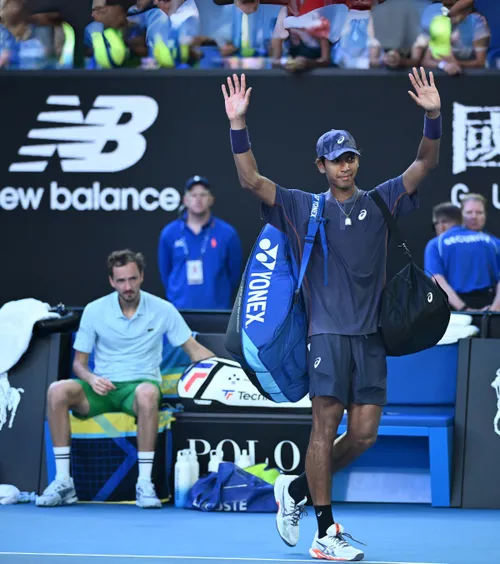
x,y
324,516
298,489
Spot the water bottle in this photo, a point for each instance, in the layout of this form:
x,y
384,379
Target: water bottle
x,y
182,479
215,460
244,459
194,466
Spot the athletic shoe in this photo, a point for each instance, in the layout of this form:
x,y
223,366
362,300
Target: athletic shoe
x,y
289,512
333,546
59,492
146,496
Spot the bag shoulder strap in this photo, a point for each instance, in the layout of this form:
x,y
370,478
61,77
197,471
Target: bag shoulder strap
x,y
316,221
390,221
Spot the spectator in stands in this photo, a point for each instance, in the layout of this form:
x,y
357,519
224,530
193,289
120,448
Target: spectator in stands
x,y
453,46
199,254
305,45
22,44
396,27
445,216
248,35
170,30
358,47
111,40
125,331
490,9
466,264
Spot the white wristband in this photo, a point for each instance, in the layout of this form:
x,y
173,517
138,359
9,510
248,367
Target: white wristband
x,y
442,65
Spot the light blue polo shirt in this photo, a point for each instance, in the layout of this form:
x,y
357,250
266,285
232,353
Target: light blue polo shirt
x,y
129,349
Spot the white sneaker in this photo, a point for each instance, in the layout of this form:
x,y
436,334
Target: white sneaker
x,y
289,512
146,496
333,546
59,492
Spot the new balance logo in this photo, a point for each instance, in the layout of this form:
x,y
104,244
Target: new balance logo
x,y
81,142
267,258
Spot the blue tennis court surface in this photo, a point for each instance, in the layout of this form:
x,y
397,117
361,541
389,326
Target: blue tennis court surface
x,y
121,534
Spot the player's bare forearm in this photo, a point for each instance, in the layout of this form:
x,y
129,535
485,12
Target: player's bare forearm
x,y
248,172
246,165
81,368
237,99
196,351
428,150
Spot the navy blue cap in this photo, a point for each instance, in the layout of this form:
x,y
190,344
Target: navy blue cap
x,y
334,143
197,180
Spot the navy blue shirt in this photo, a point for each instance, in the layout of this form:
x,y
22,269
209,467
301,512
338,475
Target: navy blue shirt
x,y
218,246
469,260
357,255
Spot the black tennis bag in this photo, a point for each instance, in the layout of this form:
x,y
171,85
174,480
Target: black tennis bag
x,y
414,310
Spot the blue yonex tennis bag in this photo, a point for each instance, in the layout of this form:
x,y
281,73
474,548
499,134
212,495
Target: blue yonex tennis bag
x,y
267,330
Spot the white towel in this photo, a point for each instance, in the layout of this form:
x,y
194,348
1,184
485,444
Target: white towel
x,y
17,319
9,495
459,327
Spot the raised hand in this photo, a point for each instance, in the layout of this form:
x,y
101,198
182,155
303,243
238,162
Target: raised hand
x,y
238,99
427,95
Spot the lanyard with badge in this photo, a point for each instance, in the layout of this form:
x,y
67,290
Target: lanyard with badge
x,y
194,268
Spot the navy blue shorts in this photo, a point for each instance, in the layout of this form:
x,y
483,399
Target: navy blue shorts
x,y
351,368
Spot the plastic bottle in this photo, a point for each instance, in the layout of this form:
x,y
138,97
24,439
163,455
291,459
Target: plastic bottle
x,y
215,460
194,466
182,479
244,459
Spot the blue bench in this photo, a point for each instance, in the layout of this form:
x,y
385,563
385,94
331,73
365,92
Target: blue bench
x,y
415,445
436,423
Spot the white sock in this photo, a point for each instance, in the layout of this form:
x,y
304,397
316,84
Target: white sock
x,y
62,456
145,465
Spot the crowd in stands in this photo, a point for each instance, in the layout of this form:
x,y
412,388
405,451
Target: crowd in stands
x,y
295,35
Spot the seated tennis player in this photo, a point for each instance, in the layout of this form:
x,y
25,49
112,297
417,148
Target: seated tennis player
x,y
125,330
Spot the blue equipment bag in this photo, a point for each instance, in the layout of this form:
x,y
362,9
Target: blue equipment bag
x,y
267,330
232,489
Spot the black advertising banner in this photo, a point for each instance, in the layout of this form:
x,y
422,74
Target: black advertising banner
x,y
94,162
282,440
481,452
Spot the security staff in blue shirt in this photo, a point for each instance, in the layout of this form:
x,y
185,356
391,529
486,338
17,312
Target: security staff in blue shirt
x,y
466,264
199,255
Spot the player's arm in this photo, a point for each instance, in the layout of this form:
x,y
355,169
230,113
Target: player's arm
x,y
195,351
237,99
81,370
427,97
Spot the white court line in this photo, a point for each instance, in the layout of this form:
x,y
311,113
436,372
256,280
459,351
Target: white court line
x,y
169,557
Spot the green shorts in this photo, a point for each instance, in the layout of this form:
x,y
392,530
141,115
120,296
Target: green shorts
x,y
119,400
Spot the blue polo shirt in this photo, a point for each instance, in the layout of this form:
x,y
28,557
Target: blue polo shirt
x,y
218,246
469,260
129,349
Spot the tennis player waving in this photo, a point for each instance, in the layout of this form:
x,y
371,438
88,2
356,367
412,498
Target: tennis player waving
x,y
347,360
